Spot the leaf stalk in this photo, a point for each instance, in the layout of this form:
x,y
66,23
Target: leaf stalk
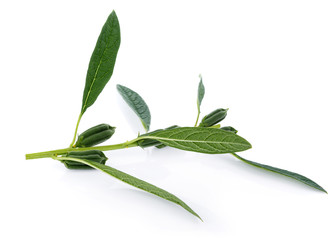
x,y
199,112
76,128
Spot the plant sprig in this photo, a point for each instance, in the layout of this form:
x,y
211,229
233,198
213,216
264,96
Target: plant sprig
x,y
206,137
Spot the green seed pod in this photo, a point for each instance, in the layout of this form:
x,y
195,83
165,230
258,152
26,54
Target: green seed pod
x,y
161,145
230,129
151,142
213,117
92,155
95,135
172,127
148,142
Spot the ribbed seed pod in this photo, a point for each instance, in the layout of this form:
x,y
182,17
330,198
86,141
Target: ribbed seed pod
x,y
161,145
230,129
95,135
213,117
92,155
148,142
152,142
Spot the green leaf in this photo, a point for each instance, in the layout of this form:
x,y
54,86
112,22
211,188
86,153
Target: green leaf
x,y
137,104
102,61
200,96
201,92
124,177
204,140
286,173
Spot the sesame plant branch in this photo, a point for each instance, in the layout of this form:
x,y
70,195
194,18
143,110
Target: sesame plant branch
x,y
85,151
203,140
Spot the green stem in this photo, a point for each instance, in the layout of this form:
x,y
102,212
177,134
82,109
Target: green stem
x,y
237,156
128,144
78,123
199,112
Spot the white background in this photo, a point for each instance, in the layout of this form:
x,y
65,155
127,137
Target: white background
x,y
268,61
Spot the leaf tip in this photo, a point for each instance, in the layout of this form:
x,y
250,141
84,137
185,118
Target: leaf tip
x,y
322,189
196,215
113,12
145,126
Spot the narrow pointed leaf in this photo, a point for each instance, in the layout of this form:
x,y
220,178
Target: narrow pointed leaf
x,y
204,140
124,177
286,173
102,61
201,92
137,104
200,96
